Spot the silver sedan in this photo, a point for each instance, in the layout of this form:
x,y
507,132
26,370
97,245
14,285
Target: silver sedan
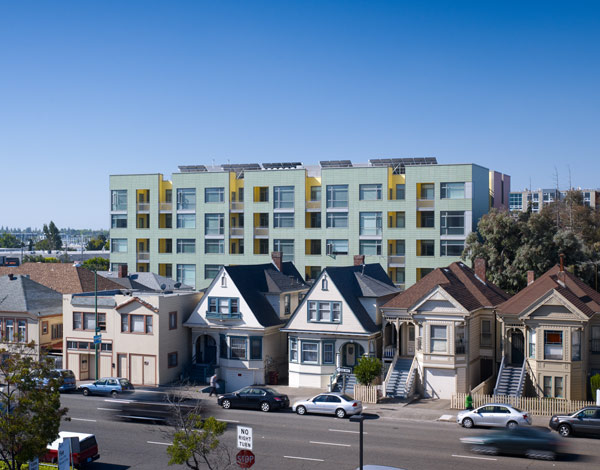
x,y
494,414
329,403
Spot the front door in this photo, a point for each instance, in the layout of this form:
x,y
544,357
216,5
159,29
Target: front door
x,y
350,355
517,348
410,345
122,365
84,367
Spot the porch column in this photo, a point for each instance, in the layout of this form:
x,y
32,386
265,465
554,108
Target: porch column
x,y
397,353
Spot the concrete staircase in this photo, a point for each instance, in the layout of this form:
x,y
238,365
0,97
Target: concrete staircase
x,y
349,384
397,383
508,383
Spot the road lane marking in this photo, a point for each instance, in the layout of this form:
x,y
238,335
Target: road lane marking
x,y
473,457
106,409
330,444
82,419
228,420
344,430
118,400
160,443
302,458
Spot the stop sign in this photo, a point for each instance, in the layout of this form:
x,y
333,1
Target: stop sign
x,y
245,458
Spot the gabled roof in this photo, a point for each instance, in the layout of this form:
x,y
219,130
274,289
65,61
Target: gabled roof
x,y
459,281
138,300
573,289
144,281
61,277
356,282
21,294
255,280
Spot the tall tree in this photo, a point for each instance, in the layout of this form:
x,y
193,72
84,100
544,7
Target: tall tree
x,y
52,234
8,240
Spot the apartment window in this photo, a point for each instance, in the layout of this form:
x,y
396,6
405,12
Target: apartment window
x,y
186,274
452,190
118,245
283,197
56,331
286,247
486,333
337,247
77,321
256,348
337,220
558,387
595,340
452,223
451,247
211,270
328,312
237,347
172,359
293,349
223,306
118,200
313,247
553,345
214,195
370,192
263,246
370,223
283,220
576,345
10,330
397,220
262,195
118,221
136,324
172,320
532,341
400,192
337,196
547,386
310,352
427,219
186,220
315,220
438,338
287,304
427,191
212,246
186,199
44,327
328,353
369,247
427,248
186,245
515,201
315,193
214,224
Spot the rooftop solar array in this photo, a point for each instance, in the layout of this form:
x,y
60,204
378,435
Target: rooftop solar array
x,y
281,166
398,164
241,166
336,164
192,168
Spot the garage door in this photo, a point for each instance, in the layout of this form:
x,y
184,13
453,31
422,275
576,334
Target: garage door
x,y
440,383
136,369
238,378
149,370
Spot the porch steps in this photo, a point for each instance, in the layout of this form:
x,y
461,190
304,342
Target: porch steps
x,y
350,383
396,385
508,381
198,373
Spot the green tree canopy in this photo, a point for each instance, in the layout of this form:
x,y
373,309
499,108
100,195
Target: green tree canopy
x,y
8,240
367,370
97,264
52,234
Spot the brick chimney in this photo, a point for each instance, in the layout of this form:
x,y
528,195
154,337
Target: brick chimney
x,y
122,270
530,277
359,260
277,257
480,269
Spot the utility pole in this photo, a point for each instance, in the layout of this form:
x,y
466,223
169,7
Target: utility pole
x,y
96,313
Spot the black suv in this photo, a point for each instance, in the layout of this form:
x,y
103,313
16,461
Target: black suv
x,y
584,421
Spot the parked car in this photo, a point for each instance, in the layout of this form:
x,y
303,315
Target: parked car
x,y
529,441
107,386
66,379
584,421
332,403
262,398
493,414
84,449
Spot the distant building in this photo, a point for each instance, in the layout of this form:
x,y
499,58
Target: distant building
x,y
520,201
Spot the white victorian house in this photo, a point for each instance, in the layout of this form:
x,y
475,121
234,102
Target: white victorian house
x,y
236,327
337,322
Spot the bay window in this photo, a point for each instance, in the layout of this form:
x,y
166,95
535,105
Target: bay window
x,y
237,347
553,345
293,350
310,352
438,338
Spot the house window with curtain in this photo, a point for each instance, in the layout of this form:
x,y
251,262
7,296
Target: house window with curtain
x,y
438,338
310,352
237,347
553,345
328,353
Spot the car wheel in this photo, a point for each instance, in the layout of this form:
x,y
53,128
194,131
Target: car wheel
x,y
565,430
301,410
114,394
541,454
512,425
226,404
340,413
86,392
467,423
265,406
485,450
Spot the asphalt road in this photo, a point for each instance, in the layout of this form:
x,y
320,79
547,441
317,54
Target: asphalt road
x,y
283,440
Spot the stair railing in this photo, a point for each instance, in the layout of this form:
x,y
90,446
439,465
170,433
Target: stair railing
x,y
522,379
499,376
389,375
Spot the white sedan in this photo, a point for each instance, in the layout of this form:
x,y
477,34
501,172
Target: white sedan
x,y
336,404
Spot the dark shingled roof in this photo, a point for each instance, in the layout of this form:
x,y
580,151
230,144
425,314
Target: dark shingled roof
x,y
21,294
354,282
255,280
459,281
582,296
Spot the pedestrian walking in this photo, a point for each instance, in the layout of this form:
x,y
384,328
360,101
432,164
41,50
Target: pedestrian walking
x,y
213,385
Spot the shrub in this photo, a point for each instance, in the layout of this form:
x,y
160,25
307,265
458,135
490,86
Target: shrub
x,y
367,370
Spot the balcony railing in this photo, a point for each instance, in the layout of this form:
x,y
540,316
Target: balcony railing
x,y
143,206
389,352
396,260
223,316
165,206
143,255
261,231
236,231
425,204
313,205
236,206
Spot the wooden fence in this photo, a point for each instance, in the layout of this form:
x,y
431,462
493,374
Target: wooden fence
x,y
366,393
533,405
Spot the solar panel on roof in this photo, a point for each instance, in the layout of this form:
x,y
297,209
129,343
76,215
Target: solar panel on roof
x,y
192,168
282,165
336,164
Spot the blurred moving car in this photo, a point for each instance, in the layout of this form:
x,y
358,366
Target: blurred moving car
x,y
584,421
493,414
84,448
262,398
157,408
332,403
528,441
107,386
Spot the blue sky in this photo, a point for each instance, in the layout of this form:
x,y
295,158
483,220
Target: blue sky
x,y
89,89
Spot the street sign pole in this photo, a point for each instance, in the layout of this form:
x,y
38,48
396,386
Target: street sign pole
x,y
96,313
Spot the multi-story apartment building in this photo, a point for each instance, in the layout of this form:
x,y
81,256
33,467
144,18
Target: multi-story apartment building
x,y
409,215
519,201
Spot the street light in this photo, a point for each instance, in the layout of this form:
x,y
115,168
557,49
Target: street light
x,y
97,330
359,419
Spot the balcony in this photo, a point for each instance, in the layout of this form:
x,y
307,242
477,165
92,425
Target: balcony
x,y
396,261
261,232
236,232
313,206
143,256
165,207
236,206
143,207
223,316
425,204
